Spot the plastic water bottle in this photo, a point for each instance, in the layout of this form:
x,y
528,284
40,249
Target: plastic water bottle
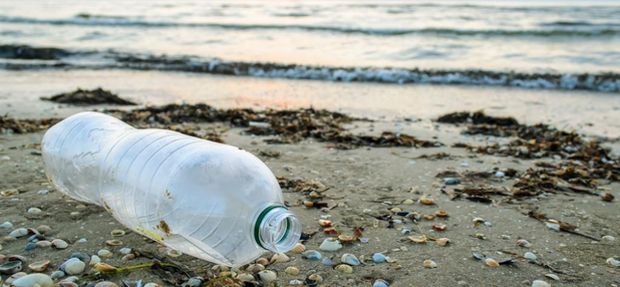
x,y
205,199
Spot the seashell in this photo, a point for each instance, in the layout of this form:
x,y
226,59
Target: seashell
x,y
380,283
350,259
125,250
346,239
608,238
441,213
34,279
103,267
34,211
325,223
429,264
327,261
220,268
408,201
308,204
94,259
315,277
613,262
553,225
491,262
606,196
426,201
292,270
396,210
379,258
523,243
330,244
296,282
67,284
540,283
73,266
6,225
262,261
106,284
57,274
59,244
44,229
298,248
20,258
439,227
344,268
243,277
530,256
10,267
312,255
478,256
480,236
429,217
173,253
19,232
128,257
451,181
39,266
279,258
267,276
418,239
442,241
254,268
43,243
9,192
117,232
104,253
113,242
193,282
553,276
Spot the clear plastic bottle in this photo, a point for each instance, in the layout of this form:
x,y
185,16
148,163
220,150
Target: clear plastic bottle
x,y
205,199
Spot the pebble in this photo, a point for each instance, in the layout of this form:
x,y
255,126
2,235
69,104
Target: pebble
x,y
35,279
608,238
81,240
6,225
429,264
315,277
57,274
379,258
553,276
279,258
59,244
11,267
73,266
344,268
106,284
243,277
94,259
39,266
295,282
530,256
193,282
30,246
104,253
43,192
267,276
442,241
44,229
491,262
451,181
613,262
408,201
499,174
523,243
350,259
292,270
19,232
34,211
540,283
330,244
380,283
65,283
426,201
553,225
43,243
151,284
125,250
298,248
80,255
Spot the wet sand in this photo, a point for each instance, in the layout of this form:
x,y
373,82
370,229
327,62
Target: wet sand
x,y
364,183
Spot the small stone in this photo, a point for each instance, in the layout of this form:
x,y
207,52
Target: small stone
x,y
344,268
442,241
30,246
34,211
35,279
540,283
44,229
608,238
292,270
298,248
243,277
57,274
80,255
43,243
530,256
311,255
429,264
39,266
117,232
113,242
295,282
491,262
104,253
279,258
316,278
330,244
380,283
94,259
408,201
19,232
499,174
524,243
553,276
6,225
59,244
73,266
43,192
606,196
613,262
426,201
379,258
81,240
267,276
193,282
553,225
125,250
451,181
106,284
350,259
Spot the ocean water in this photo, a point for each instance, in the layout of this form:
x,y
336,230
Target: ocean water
x,y
532,44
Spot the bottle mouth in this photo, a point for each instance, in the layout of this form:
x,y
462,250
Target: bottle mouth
x,y
277,229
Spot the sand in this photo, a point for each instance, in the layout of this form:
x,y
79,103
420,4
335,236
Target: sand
x,y
362,182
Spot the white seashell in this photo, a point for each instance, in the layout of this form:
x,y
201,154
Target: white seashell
x,y
344,268
429,264
243,277
279,258
19,232
530,256
104,253
94,259
34,211
59,244
613,262
330,244
267,276
34,279
292,270
298,248
73,266
540,283
524,243
39,266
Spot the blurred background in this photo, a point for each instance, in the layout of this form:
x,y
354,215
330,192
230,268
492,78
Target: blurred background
x,y
552,61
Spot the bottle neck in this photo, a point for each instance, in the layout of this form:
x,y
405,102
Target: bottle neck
x,y
277,229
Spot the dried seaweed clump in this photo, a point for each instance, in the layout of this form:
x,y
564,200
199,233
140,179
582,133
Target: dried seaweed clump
x,y
97,96
22,126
